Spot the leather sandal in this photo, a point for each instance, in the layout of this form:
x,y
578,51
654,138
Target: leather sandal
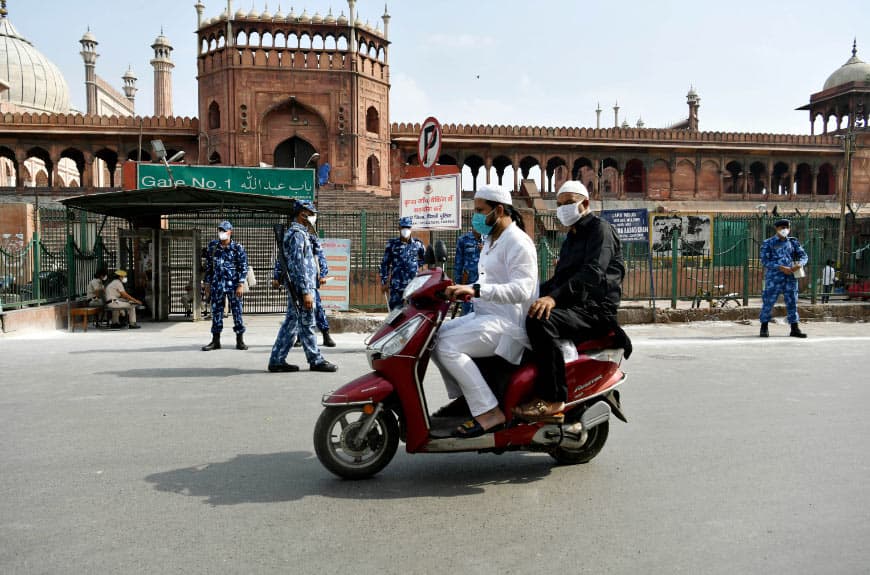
x,y
539,410
472,428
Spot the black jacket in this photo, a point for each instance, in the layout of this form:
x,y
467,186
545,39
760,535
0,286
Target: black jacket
x,y
590,268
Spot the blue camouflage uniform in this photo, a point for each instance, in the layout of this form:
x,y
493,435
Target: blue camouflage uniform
x,y
299,322
226,268
323,269
777,252
467,255
400,264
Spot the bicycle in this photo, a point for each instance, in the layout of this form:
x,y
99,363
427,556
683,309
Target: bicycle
x,y
725,301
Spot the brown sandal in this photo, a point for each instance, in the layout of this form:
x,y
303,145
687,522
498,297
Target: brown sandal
x,y
539,410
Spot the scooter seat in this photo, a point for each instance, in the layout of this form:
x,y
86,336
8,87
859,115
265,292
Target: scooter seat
x,y
605,342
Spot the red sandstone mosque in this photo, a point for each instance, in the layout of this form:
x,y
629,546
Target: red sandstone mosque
x,y
275,88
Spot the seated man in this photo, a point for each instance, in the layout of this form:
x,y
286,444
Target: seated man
x,y
117,299
578,303
508,276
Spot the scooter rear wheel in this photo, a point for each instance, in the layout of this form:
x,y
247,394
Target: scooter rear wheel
x,y
595,440
340,450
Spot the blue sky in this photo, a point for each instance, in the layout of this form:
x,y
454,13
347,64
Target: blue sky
x,y
514,62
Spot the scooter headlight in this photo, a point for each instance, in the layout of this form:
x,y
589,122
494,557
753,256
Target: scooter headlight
x,y
414,285
394,342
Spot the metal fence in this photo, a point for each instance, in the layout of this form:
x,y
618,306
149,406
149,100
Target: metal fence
x,y
60,260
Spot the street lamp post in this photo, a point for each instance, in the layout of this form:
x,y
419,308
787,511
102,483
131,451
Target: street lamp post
x,y
160,150
848,145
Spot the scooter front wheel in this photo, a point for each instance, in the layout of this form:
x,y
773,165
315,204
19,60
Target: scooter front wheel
x,y
340,448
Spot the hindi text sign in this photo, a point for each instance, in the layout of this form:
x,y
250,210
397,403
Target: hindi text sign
x,y
432,203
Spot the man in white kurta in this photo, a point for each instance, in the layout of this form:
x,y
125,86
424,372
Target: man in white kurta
x,y
507,286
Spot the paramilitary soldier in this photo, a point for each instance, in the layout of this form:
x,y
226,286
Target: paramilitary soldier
x,y
403,257
300,278
468,248
781,256
225,271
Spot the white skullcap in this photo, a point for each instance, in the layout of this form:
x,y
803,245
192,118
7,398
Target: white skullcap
x,y
573,187
493,194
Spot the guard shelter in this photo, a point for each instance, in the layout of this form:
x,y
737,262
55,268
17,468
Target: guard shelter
x,y
162,249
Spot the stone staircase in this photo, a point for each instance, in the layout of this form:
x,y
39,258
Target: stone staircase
x,y
340,200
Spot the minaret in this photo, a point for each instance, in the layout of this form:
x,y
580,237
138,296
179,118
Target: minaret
x,y
386,19
616,115
200,8
89,55
694,102
598,117
130,88
163,66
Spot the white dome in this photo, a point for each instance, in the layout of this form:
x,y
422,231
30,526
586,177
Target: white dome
x,y
854,70
35,83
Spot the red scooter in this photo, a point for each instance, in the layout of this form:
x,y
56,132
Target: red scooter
x,y
359,430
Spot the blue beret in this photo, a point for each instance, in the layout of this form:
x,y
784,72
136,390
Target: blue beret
x,y
781,222
225,226
405,222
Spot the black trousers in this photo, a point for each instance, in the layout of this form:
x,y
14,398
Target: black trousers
x,y
574,323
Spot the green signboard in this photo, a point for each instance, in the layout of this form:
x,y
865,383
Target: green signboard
x,y
282,182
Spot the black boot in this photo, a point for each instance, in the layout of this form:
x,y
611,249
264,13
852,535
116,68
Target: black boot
x,y
327,340
763,332
240,342
214,344
796,331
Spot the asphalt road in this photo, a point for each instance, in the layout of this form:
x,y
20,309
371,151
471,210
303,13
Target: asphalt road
x,y
134,452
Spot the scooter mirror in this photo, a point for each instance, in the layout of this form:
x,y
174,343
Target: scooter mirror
x,y
440,251
429,256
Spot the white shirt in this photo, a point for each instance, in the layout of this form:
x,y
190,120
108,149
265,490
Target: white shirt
x,y
508,281
828,275
94,287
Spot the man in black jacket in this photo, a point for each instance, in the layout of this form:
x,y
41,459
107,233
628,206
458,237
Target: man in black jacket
x,y
579,302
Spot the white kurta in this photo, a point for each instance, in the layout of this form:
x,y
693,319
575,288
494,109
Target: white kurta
x,y
508,281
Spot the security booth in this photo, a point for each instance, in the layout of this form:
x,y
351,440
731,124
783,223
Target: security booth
x,y
168,231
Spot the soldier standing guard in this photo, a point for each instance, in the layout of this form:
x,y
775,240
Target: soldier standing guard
x,y
322,271
781,256
403,257
225,273
299,275
468,248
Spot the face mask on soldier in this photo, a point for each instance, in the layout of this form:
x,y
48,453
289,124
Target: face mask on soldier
x,y
783,232
406,233
223,236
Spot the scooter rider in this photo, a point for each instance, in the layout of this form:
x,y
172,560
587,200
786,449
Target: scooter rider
x,y
579,302
507,285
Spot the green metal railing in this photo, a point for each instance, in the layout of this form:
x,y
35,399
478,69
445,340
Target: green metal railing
x,y
58,262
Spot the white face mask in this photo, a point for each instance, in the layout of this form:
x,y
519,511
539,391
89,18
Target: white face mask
x,y
123,280
568,214
783,232
312,220
406,233
223,236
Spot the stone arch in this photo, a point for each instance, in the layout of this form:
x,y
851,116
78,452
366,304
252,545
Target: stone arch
x,y
341,44
373,171
8,168
254,39
803,179
825,180
609,178
105,167
552,164
447,160
221,41
241,38
214,158
292,40
684,180
280,39
68,173
473,163
204,47
43,163
634,177
412,159
288,119
579,164
373,120
500,164
294,152
732,178
780,179
267,40
214,116
134,155
317,42
757,178
659,180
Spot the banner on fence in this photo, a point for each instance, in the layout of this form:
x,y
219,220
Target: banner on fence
x,y
335,293
432,203
695,233
631,225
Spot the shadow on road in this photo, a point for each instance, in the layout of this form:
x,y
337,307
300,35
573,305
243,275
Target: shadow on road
x,y
290,476
168,348
178,372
